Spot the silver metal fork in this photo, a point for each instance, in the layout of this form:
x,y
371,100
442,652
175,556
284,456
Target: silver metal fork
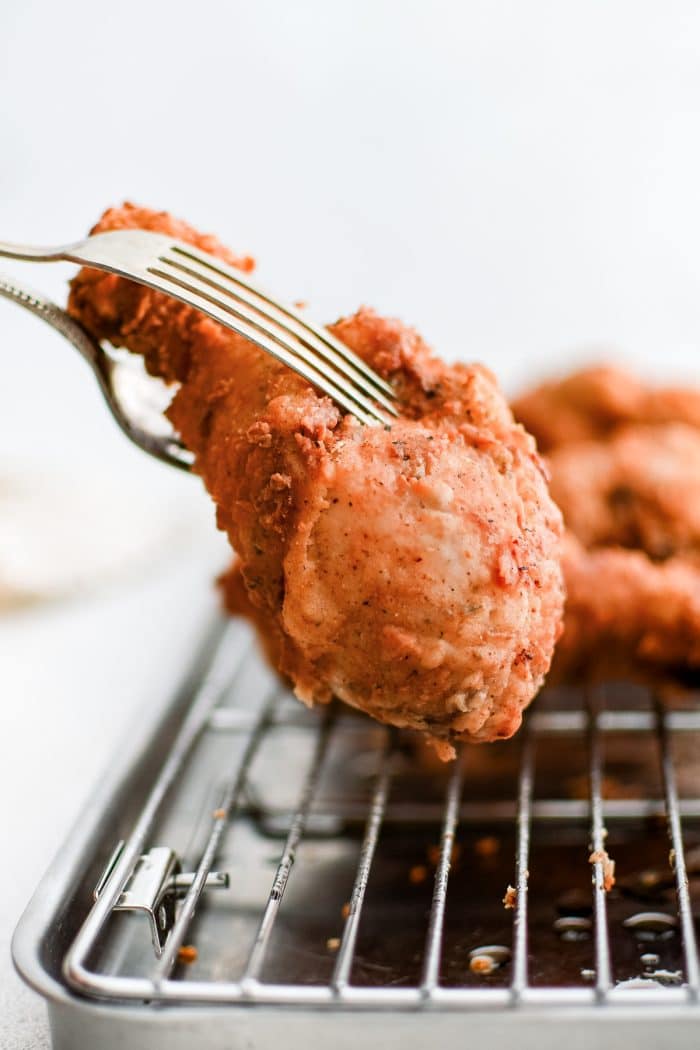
x,y
128,393
227,296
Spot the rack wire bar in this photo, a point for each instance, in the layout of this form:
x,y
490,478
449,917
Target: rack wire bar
x,y
677,856
220,818
502,811
559,722
433,942
519,982
346,951
256,958
603,977
567,722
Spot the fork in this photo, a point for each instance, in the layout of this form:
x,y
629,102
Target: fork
x,y
224,294
122,387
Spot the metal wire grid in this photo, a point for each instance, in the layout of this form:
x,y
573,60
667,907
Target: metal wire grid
x,y
206,715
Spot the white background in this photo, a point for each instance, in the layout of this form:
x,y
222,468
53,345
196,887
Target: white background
x,y
519,180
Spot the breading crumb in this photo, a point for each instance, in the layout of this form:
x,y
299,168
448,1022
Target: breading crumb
x,y
511,897
601,856
187,954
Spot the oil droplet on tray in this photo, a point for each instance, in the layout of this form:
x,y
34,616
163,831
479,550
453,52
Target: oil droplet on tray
x,y
573,927
652,925
488,957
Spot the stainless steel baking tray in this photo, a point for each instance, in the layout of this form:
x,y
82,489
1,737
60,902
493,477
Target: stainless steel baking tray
x,y
252,871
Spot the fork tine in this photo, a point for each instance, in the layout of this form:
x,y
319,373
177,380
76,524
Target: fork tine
x,y
330,348
285,347
349,398
250,309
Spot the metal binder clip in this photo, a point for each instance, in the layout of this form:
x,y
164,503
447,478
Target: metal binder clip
x,y
154,888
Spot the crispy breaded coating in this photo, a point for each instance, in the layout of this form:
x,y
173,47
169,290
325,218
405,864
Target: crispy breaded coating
x,y
627,617
594,401
412,572
639,488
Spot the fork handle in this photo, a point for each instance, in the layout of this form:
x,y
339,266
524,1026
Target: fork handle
x,y
31,253
52,314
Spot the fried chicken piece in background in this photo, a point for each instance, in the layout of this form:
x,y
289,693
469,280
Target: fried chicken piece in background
x,y
594,401
414,573
625,465
627,617
640,488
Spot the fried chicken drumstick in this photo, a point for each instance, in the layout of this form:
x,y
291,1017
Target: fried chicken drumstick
x,y
412,572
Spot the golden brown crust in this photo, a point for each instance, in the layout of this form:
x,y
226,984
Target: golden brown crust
x,y
413,573
627,617
640,488
594,401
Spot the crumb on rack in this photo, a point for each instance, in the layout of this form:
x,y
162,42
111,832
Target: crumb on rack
x,y
601,856
345,910
488,846
417,874
511,897
444,751
332,944
187,954
219,814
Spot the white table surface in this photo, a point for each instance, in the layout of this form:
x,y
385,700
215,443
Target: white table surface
x,y
518,180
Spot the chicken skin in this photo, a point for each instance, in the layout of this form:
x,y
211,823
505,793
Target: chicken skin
x,y
413,572
593,402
